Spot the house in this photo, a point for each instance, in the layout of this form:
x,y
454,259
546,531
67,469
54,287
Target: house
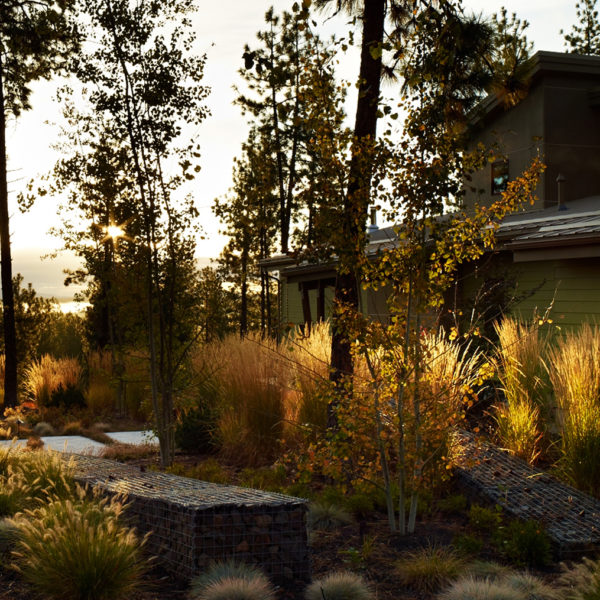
x,y
548,254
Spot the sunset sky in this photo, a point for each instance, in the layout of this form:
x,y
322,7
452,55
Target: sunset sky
x,y
223,28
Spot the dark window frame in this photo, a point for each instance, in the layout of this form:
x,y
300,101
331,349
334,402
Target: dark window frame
x,y
500,169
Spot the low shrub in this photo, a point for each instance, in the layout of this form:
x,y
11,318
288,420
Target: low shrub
x,y
123,452
452,505
359,504
429,569
231,581
467,544
525,543
43,429
196,430
339,586
72,428
485,520
322,516
264,478
208,470
78,550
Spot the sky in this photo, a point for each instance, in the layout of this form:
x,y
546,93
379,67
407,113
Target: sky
x,y
222,30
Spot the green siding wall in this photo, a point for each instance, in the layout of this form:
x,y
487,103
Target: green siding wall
x,y
572,284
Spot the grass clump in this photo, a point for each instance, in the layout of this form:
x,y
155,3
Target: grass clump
x,y
520,358
231,581
339,586
430,569
325,516
507,586
78,550
30,476
580,581
55,382
471,588
575,375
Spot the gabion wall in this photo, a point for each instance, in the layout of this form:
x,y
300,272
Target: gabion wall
x,y
194,523
570,517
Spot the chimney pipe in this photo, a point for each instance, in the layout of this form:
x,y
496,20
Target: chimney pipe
x,y
560,181
372,226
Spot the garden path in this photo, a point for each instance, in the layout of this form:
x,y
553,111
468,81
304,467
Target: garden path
x,y
79,444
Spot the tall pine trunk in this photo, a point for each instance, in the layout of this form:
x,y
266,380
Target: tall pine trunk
x,y
346,298
8,300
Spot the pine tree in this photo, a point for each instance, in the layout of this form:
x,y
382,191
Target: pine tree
x,y
36,38
584,37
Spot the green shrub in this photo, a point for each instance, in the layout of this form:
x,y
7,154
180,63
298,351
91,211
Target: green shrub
x,y
196,430
322,516
264,478
452,505
67,396
429,569
467,544
231,581
359,504
208,470
78,550
339,586
485,520
525,543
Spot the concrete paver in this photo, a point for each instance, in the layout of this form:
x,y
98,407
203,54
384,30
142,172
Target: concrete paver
x,y
133,437
79,444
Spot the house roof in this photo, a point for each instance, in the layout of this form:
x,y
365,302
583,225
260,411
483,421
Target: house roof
x,y
542,63
573,223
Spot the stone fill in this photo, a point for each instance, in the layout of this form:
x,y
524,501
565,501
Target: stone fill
x,y
571,518
194,523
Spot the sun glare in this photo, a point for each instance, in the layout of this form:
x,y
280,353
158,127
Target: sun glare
x,y
114,231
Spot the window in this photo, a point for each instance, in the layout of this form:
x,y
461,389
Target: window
x,y
499,176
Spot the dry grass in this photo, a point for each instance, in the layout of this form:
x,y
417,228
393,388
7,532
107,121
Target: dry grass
x,y
430,569
309,356
249,380
575,375
76,549
125,452
339,586
47,375
521,368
